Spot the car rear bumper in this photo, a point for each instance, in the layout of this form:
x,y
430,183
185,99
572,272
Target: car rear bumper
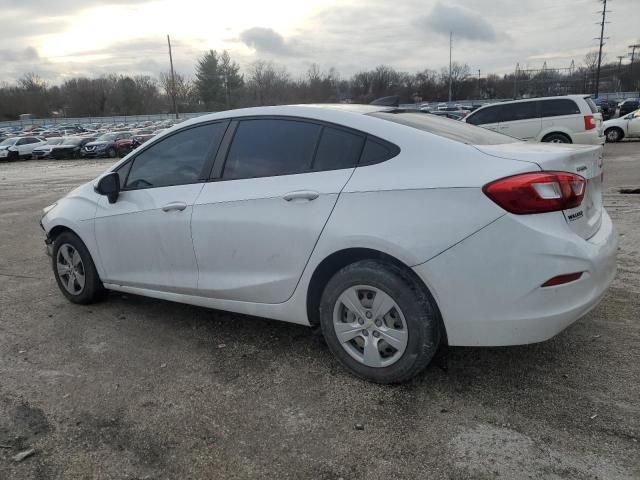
x,y
591,137
488,287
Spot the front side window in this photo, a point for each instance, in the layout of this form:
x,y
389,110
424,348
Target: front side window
x,y
337,149
484,116
519,111
556,108
269,147
176,160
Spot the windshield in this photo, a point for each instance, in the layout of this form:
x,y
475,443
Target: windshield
x,y
452,129
9,141
107,137
72,141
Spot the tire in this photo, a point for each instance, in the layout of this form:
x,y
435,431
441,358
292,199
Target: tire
x,y
13,156
111,153
556,138
415,330
90,289
613,134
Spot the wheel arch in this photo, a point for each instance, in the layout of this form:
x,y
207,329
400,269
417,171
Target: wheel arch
x,y
557,132
337,260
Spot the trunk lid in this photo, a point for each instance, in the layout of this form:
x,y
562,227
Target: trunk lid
x,y
585,160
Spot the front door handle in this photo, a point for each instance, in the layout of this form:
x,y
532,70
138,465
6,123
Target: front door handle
x,y
301,195
174,206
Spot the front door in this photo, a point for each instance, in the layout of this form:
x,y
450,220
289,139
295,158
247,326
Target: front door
x,y
144,238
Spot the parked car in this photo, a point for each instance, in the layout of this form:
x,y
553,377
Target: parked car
x,y
105,145
392,231
44,151
629,105
71,147
14,148
126,145
568,119
606,108
621,127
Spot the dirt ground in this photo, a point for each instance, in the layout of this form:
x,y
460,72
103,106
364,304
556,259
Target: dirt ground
x,y
135,388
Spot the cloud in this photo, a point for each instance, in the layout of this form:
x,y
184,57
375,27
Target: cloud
x,y
265,40
28,54
464,23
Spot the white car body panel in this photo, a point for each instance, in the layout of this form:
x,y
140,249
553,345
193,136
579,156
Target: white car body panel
x,y
142,245
238,245
230,215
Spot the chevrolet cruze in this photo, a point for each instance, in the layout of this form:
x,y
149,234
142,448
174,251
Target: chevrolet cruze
x,y
394,232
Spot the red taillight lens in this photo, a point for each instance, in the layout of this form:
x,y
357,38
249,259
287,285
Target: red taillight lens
x,y
589,122
560,279
537,192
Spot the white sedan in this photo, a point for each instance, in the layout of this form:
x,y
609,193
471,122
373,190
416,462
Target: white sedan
x,y
618,128
395,232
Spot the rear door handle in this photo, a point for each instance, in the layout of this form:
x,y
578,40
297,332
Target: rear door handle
x,y
301,195
174,206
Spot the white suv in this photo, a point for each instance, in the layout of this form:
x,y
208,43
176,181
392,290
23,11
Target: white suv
x,y
569,119
19,147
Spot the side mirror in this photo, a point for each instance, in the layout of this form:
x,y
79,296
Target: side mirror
x,y
109,185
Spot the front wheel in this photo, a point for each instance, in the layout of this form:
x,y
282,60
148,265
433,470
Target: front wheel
x,y
379,322
74,270
613,135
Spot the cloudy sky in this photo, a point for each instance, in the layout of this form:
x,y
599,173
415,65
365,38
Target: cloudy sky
x,y
65,38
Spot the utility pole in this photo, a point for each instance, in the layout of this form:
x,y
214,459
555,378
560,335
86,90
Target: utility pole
x,y
619,57
479,92
173,80
602,39
450,50
633,48
515,81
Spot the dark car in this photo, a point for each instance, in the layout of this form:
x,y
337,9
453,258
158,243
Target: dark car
x,y
629,105
606,107
127,145
71,147
105,145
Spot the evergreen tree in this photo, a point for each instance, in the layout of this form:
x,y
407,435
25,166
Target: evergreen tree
x,y
208,80
230,78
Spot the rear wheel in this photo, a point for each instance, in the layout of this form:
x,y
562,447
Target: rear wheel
x,y
556,138
379,322
613,134
112,153
74,270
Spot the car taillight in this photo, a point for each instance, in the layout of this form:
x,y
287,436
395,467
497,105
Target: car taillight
x,y
537,192
589,122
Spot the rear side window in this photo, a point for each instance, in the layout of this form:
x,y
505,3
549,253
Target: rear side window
x,y
485,115
338,149
556,108
376,151
268,147
592,105
178,159
512,112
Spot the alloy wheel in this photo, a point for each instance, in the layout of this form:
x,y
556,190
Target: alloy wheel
x,y
70,269
370,326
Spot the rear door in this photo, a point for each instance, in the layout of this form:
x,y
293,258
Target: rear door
x,y
633,125
561,114
521,120
256,223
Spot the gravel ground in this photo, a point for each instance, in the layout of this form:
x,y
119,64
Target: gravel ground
x,y
137,388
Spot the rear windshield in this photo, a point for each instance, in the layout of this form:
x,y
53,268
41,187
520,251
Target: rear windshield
x,y
592,105
452,129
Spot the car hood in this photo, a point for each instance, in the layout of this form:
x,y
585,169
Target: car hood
x,y
95,144
5,147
